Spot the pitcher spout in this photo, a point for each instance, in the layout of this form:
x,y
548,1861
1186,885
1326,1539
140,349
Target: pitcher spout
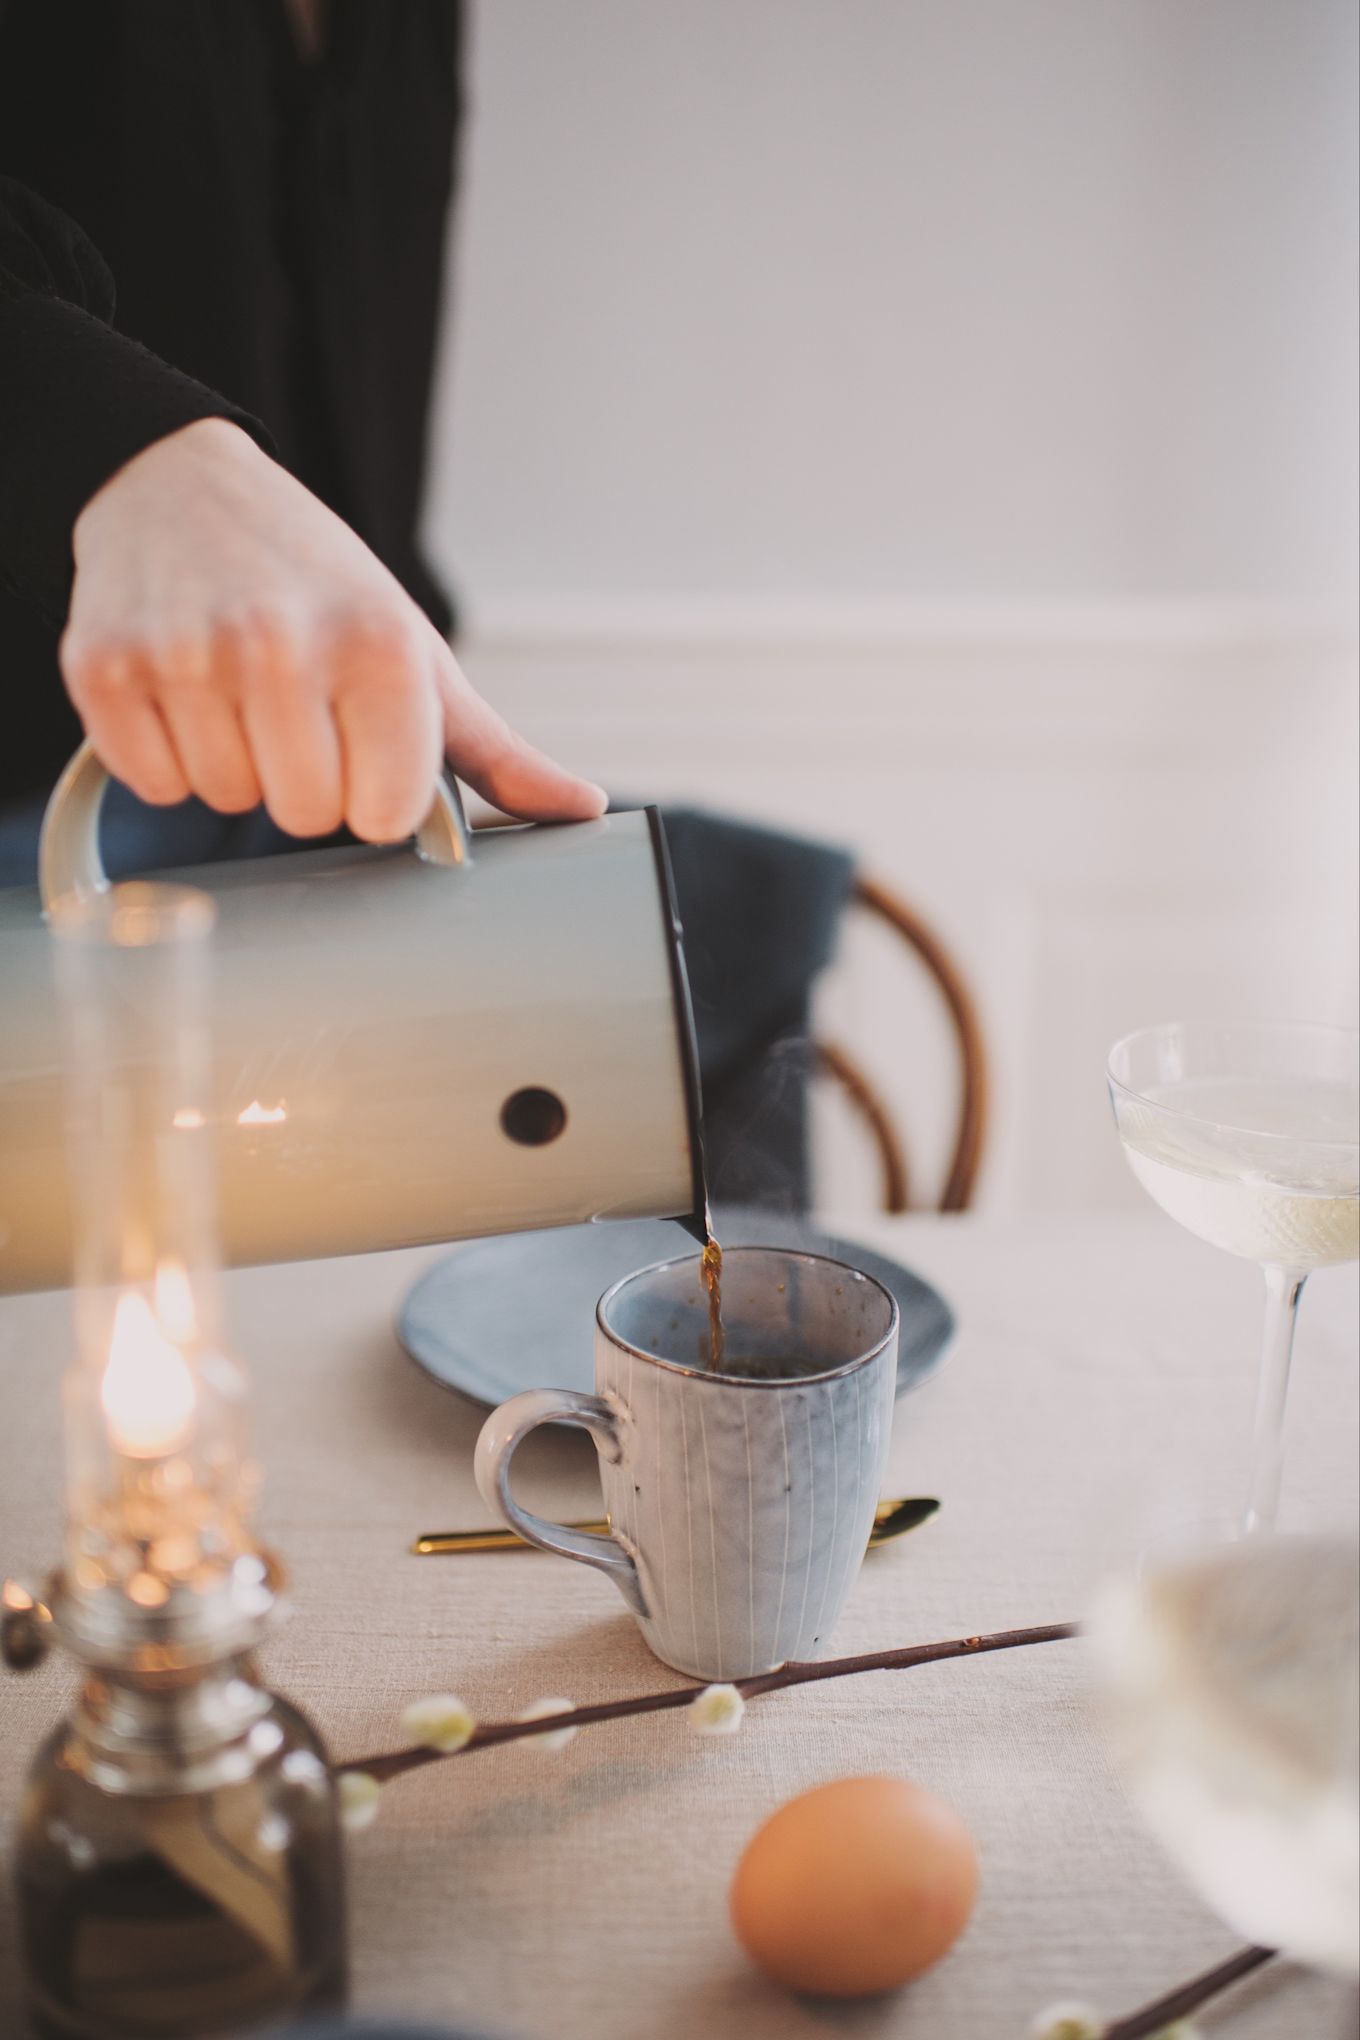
x,y
696,1220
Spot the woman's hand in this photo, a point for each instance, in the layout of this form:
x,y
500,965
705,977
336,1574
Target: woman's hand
x,y
230,636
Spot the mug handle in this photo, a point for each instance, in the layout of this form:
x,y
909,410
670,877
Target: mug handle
x,y
505,1429
68,847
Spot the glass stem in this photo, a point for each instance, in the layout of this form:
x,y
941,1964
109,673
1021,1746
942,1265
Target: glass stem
x,y
1283,1289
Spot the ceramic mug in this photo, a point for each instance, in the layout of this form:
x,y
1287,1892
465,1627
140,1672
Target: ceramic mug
x,y
740,1501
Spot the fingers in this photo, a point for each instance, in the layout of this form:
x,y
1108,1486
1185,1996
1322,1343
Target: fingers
x,y
503,768
108,687
234,718
348,724
388,718
290,730
325,727
198,694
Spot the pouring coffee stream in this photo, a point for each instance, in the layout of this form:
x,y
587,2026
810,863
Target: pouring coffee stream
x,y
710,1265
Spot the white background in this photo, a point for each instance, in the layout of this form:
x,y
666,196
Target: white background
x,y
932,424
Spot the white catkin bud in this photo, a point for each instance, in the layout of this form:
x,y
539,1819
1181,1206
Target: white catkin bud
x,y
555,1738
358,1794
716,1711
1067,2021
438,1722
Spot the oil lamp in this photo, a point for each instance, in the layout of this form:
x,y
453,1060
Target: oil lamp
x,y
179,1863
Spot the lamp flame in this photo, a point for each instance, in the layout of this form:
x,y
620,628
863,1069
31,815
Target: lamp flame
x,y
148,1390
173,1298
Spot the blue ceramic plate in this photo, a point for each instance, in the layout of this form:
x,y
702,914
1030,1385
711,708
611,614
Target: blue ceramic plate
x,y
496,1316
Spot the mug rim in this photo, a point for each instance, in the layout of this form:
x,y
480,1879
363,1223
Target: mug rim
x,y
846,1368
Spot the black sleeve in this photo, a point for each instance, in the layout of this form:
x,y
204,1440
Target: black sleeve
x,y
77,400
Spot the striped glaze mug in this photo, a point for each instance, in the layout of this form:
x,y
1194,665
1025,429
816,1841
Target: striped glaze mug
x,y
740,1498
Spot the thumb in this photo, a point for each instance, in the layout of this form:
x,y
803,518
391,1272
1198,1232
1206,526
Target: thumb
x,y
500,764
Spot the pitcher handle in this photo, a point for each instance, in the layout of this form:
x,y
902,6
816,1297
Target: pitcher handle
x,y
505,1429
68,847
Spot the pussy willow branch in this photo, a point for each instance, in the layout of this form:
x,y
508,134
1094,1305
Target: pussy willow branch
x,y
1187,1997
1148,2021
489,1733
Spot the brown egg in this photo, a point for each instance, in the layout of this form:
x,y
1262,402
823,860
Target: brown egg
x,y
855,1887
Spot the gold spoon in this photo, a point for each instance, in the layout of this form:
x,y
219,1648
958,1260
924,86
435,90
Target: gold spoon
x,y
891,1519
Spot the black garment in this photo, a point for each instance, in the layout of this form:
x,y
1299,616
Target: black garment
x,y
275,229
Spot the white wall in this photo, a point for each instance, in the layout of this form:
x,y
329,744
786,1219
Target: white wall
x,y
933,424
845,297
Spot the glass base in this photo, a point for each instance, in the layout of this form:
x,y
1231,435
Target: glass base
x,y
182,1916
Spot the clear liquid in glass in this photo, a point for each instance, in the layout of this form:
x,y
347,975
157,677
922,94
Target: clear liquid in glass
x,y
1260,1169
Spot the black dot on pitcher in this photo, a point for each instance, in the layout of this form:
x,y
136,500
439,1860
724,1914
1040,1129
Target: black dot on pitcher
x,y
533,1116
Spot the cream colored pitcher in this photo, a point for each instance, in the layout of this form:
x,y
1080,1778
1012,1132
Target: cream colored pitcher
x,y
412,1044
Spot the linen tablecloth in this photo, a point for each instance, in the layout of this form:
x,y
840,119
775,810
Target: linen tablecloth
x,y
1099,1394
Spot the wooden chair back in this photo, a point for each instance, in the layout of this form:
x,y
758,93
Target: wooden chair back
x,y
970,1124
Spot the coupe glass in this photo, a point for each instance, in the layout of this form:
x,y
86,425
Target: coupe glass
x,y
1250,1136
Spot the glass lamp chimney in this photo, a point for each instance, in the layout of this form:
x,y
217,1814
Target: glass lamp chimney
x,y
158,1474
